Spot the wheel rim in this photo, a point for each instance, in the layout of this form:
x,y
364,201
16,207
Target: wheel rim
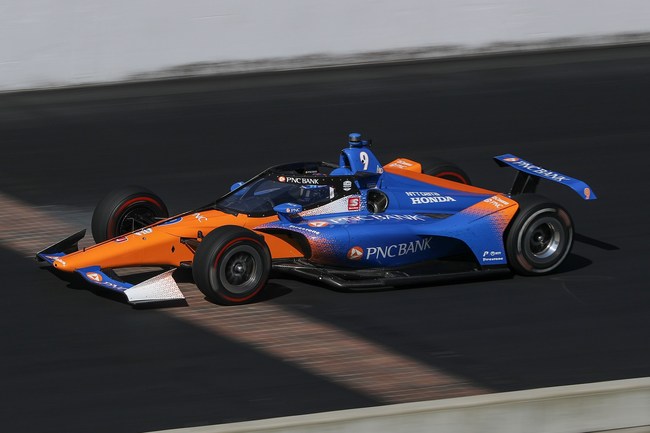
x,y
239,269
543,240
135,218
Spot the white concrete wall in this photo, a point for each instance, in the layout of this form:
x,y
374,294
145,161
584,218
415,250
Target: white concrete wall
x,y
47,43
595,407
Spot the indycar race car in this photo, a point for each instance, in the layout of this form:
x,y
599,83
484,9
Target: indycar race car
x,y
353,225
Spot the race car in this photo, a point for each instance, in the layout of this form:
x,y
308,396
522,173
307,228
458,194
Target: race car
x,y
354,225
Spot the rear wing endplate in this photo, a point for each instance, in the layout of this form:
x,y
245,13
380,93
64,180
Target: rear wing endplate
x,y
529,175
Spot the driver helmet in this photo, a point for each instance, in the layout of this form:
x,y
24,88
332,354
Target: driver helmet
x,y
314,193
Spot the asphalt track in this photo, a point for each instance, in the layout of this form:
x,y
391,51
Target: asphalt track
x,y
77,361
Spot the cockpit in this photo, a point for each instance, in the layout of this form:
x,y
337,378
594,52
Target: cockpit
x,y
307,184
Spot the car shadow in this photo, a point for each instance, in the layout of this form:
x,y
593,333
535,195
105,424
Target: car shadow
x,y
573,262
76,282
595,242
271,291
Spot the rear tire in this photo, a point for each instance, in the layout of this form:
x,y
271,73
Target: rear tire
x,y
231,265
125,210
540,236
447,170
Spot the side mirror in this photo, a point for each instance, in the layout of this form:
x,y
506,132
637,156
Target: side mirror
x,y
288,211
236,185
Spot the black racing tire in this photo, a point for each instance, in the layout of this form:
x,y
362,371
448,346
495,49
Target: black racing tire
x,y
124,210
446,170
231,265
540,236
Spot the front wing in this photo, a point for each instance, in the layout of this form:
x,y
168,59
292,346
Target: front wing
x,y
159,288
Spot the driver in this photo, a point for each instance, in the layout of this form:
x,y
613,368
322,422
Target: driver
x,y
310,194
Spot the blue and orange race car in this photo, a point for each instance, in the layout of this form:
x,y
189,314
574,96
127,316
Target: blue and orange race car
x,y
353,225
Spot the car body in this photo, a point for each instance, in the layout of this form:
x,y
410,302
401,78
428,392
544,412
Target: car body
x,y
357,224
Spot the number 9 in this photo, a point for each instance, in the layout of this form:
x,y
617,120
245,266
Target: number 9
x,y
365,160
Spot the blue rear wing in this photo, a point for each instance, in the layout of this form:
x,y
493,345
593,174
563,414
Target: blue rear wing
x,y
529,175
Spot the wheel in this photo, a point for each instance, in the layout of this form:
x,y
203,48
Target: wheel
x,y
231,265
447,170
540,236
125,210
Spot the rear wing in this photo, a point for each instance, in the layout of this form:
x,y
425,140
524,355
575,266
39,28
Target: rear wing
x,y
529,175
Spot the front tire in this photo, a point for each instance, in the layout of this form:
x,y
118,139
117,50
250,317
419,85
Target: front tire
x,y
125,210
231,265
540,237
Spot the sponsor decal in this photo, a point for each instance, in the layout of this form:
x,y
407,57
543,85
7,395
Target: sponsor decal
x,y
398,250
318,224
347,185
426,197
122,239
305,229
427,200
354,203
200,217
492,256
497,202
143,232
355,253
422,194
174,221
541,171
292,210
56,259
380,169
94,276
587,192
111,285
300,180
511,159
401,163
375,217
